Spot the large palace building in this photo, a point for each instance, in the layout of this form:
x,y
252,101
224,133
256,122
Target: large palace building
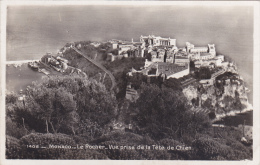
x,y
157,41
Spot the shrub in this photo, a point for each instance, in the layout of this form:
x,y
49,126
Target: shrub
x,y
13,149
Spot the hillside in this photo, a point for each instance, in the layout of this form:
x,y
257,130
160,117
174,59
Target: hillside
x,y
79,117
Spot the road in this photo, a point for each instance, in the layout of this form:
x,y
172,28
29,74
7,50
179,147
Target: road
x,y
113,80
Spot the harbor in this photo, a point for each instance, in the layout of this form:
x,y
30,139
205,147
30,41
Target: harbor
x,y
19,77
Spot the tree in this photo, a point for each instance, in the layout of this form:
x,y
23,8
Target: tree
x,y
172,83
13,149
11,98
162,112
55,106
62,104
210,149
204,73
136,80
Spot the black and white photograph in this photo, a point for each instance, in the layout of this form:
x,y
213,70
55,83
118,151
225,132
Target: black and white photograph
x,y
130,81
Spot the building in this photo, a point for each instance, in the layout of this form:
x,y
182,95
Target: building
x,y
194,56
212,49
221,57
111,57
112,41
147,63
114,45
225,64
202,50
199,50
207,82
206,56
155,57
169,56
131,94
189,46
161,52
95,44
124,47
197,64
172,70
132,48
60,59
157,41
216,61
63,62
64,65
181,60
50,60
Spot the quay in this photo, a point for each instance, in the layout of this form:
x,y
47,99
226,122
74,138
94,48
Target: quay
x,y
19,62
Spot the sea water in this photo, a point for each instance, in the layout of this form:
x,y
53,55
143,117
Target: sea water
x,y
19,76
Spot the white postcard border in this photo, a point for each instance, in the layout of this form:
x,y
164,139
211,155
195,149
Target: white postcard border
x,y
256,79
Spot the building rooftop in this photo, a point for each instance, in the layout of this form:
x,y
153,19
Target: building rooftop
x,y
160,47
158,37
169,68
161,50
200,48
205,54
181,57
126,43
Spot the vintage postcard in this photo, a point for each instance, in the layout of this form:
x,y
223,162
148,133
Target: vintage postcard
x,y
116,80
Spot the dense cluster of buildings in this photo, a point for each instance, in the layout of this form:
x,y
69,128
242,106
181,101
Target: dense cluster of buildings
x,y
58,63
165,57
126,49
136,49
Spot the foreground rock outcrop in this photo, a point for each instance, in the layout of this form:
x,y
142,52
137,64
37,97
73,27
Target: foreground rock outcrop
x,y
227,95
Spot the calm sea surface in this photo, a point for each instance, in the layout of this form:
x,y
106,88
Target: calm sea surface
x,y
34,30
20,77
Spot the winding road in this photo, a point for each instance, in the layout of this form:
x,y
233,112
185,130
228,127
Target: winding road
x,y
113,80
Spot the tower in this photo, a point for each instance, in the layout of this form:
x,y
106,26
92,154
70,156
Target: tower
x,y
212,49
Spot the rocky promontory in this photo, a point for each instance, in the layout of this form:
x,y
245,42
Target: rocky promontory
x,y
226,96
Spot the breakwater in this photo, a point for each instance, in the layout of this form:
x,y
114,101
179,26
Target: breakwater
x,y
19,62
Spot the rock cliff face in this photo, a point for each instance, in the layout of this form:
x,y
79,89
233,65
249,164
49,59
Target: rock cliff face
x,y
227,94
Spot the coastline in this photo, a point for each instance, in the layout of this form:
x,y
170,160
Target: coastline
x,y
218,117
233,113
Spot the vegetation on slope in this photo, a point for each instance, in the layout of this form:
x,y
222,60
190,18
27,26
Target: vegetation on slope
x,y
74,110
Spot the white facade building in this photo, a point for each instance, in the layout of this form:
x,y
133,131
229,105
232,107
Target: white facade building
x,y
221,57
199,50
157,41
209,49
